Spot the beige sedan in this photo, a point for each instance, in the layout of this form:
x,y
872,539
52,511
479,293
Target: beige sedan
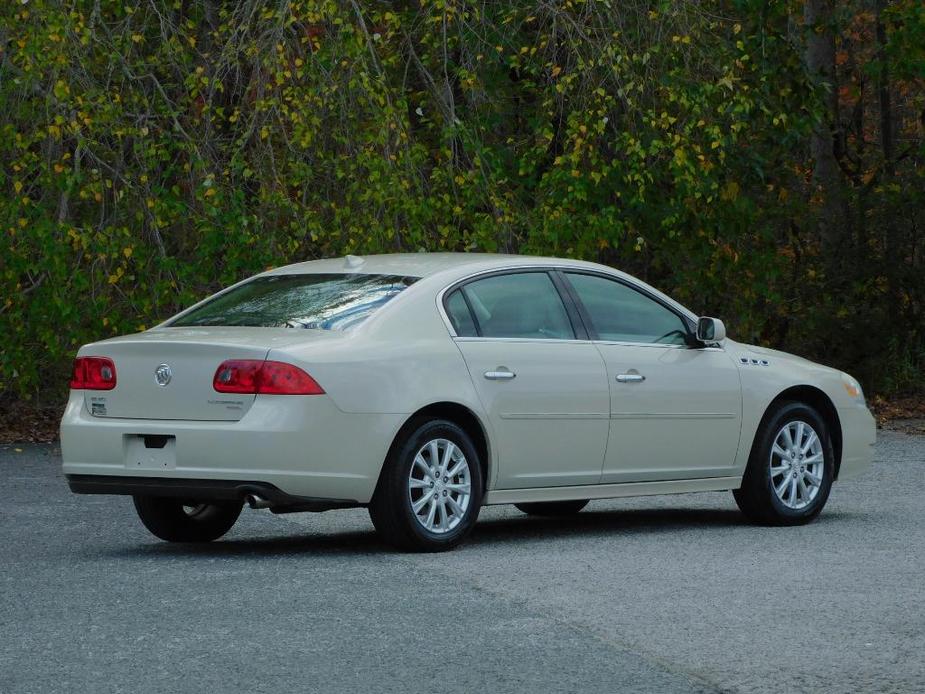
x,y
423,386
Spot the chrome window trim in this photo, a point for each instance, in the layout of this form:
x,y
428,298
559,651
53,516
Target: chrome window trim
x,y
627,343
627,280
544,340
515,269
614,343
541,340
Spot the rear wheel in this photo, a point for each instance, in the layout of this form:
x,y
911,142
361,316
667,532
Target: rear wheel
x,y
790,470
430,490
553,508
186,521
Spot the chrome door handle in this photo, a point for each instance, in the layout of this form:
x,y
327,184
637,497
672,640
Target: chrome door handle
x,y
630,378
501,374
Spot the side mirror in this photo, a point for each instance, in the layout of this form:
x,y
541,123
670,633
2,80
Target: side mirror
x,y
710,330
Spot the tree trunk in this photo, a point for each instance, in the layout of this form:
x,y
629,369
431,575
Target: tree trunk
x,y
827,176
883,92
894,266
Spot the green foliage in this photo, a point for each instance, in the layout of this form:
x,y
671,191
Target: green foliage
x,y
153,151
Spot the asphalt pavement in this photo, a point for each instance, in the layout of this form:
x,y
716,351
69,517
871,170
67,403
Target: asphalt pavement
x,y
658,594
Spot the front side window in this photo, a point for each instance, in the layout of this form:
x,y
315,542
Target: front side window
x,y
321,301
621,314
518,305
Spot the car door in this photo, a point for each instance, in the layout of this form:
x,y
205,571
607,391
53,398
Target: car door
x,y
675,408
541,381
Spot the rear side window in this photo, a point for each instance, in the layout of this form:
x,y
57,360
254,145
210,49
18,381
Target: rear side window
x,y
621,314
320,301
458,311
525,305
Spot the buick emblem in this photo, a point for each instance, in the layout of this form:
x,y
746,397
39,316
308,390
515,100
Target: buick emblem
x,y
162,375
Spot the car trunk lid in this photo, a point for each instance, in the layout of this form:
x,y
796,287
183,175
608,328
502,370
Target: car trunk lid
x,y
166,373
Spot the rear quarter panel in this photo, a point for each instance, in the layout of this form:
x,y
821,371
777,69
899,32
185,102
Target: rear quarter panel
x,y
398,362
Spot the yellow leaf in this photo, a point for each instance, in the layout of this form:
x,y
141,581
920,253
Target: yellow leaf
x,y
17,186
730,191
556,70
137,38
209,193
127,251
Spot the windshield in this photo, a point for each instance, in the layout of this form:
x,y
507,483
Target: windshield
x,y
322,301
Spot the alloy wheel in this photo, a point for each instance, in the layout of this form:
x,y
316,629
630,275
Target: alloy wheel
x,y
439,486
797,464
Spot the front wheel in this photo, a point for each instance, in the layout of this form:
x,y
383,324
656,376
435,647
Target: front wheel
x,y
430,489
790,470
186,521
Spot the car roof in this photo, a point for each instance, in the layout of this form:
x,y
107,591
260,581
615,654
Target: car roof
x,y
451,267
422,264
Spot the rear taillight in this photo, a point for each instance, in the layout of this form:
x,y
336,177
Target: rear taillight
x,y
263,377
93,373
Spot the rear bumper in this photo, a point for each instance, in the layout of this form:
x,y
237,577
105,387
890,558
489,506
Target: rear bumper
x,y
304,447
859,434
201,490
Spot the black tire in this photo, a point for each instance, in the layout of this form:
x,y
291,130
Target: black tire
x,y
553,508
756,497
176,520
391,507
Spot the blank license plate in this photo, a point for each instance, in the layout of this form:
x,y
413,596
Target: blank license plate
x,y
150,452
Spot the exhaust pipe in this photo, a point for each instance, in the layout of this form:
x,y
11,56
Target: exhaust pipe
x,y
257,501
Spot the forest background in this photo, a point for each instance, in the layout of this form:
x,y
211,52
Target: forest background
x,y
761,161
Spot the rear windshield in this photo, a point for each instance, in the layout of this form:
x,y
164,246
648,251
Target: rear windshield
x,y
322,301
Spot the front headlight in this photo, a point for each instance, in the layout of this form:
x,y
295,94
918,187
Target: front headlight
x,y
853,388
